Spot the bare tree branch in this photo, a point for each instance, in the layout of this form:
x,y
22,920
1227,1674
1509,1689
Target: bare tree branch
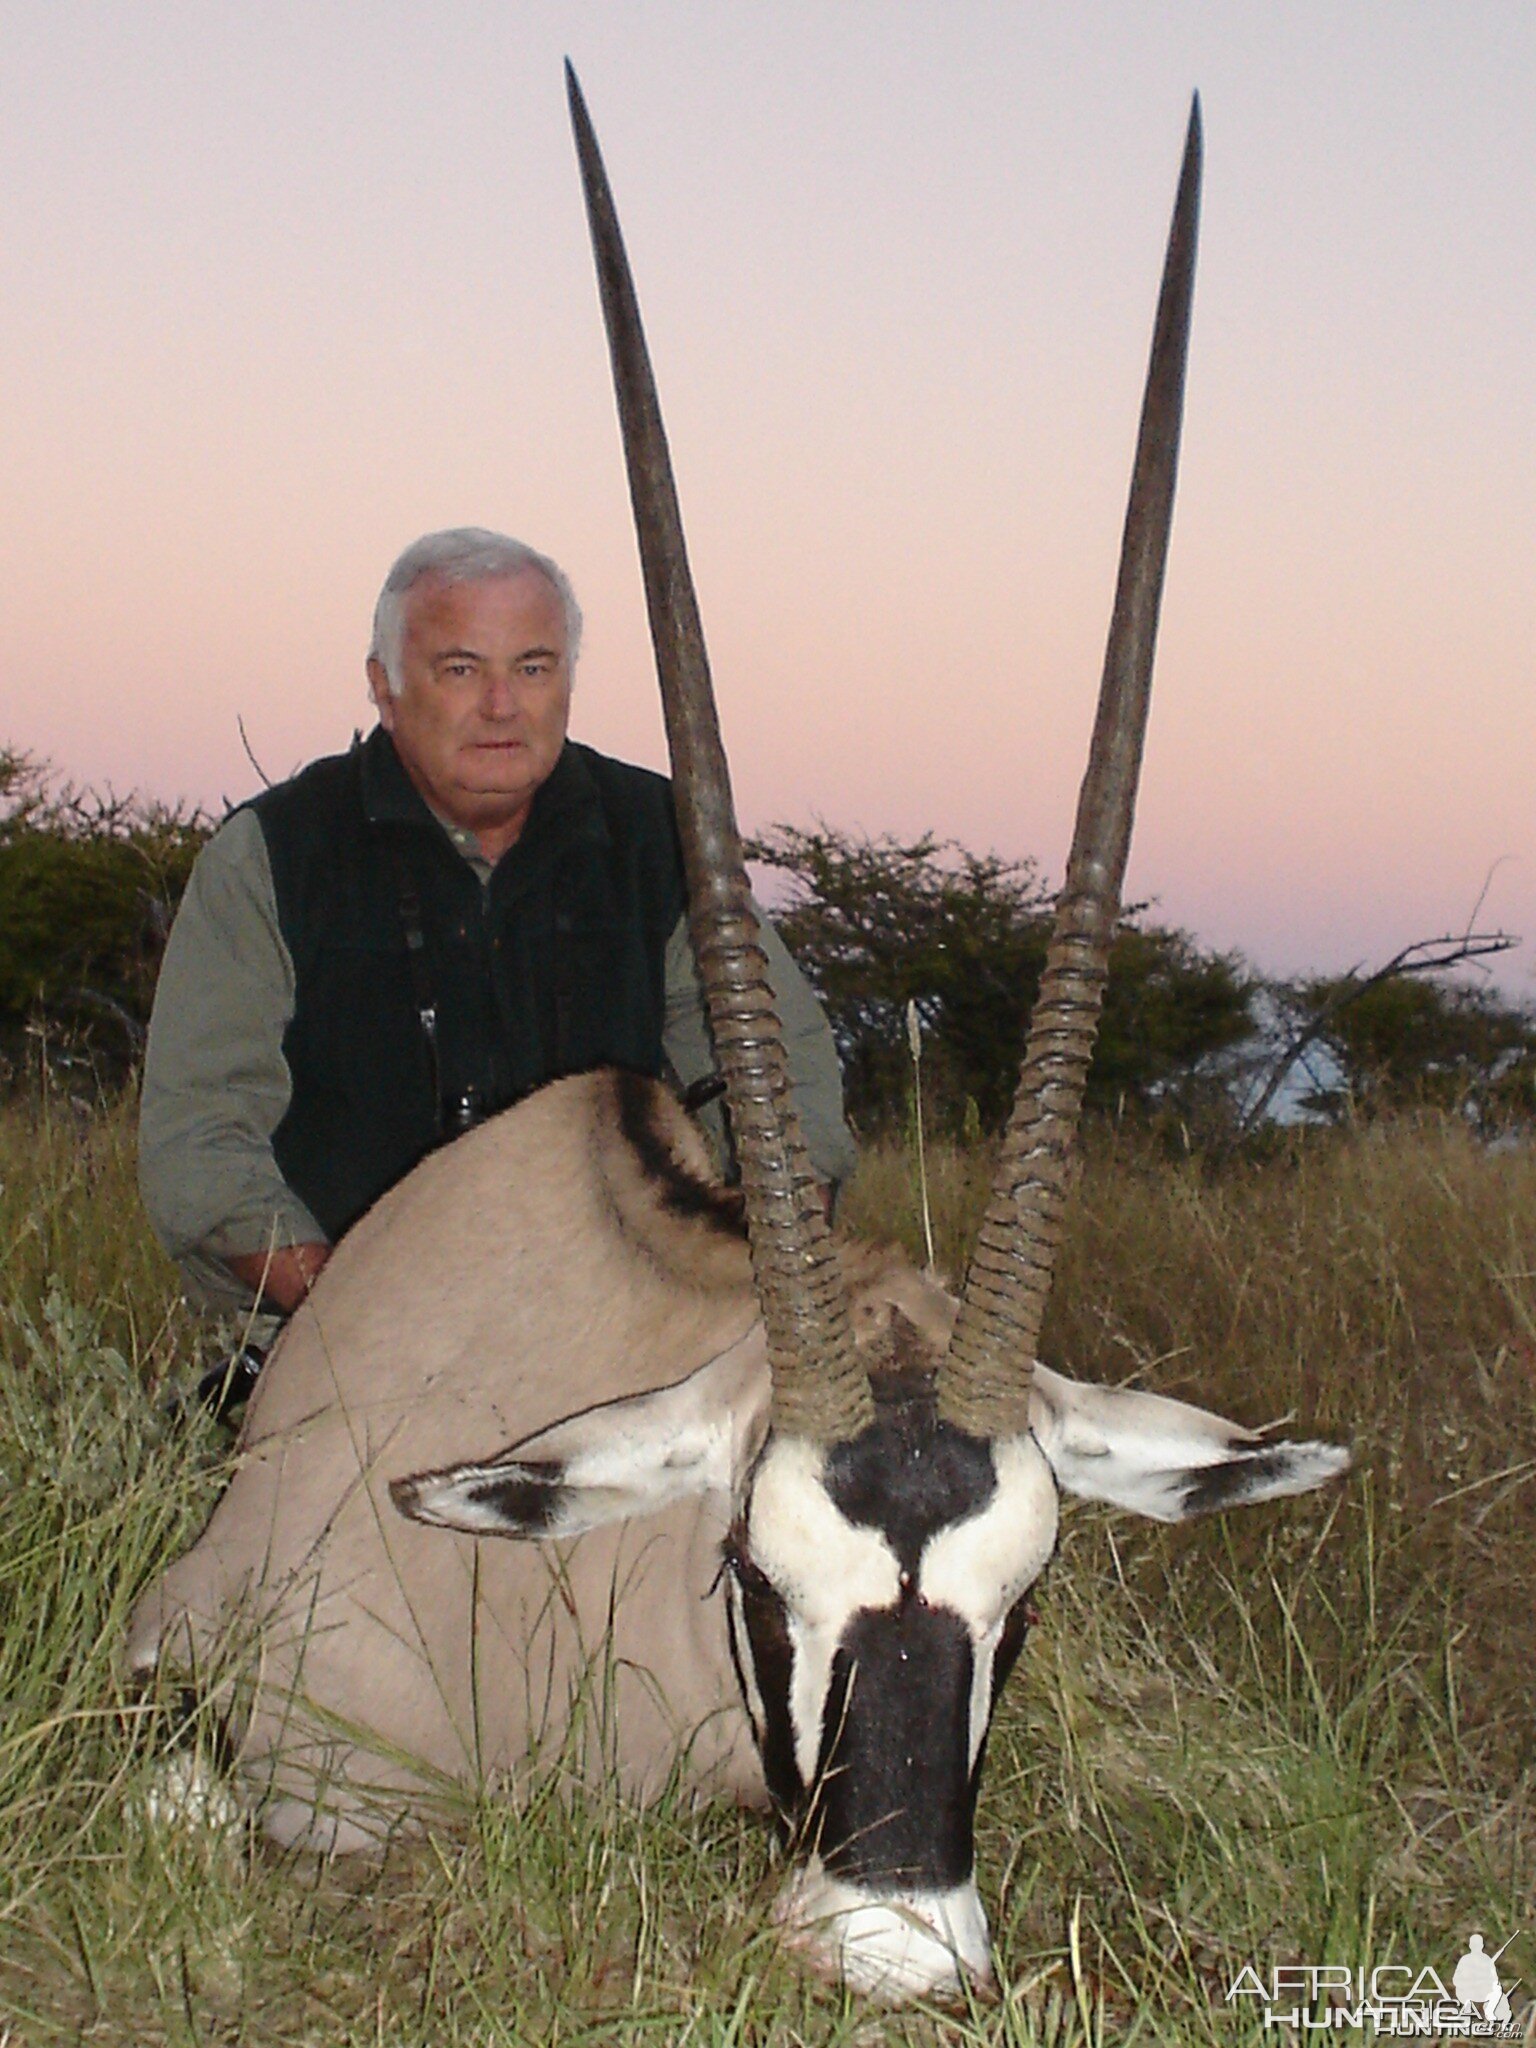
x,y
1482,894
266,780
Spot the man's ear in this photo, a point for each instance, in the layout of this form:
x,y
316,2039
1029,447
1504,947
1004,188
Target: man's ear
x,y
382,695
1164,1458
605,1464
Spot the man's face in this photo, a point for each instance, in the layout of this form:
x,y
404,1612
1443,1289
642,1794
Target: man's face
x,y
485,697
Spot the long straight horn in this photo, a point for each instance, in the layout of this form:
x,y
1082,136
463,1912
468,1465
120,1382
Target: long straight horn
x,y
984,1381
819,1388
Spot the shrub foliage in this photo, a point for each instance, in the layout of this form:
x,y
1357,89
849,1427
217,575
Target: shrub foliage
x,y
1414,1043
88,886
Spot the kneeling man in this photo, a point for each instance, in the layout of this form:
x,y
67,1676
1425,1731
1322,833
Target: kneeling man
x,y
408,937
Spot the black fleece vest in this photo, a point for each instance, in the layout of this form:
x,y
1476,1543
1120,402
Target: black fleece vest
x,y
553,966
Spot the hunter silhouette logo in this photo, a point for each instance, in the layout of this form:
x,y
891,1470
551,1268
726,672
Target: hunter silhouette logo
x,y
1388,2000
1476,1981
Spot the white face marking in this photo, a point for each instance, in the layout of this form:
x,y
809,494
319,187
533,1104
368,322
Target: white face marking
x,y
907,1945
823,1568
979,1567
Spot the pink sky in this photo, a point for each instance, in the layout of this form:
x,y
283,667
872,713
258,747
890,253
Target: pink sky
x,y
285,286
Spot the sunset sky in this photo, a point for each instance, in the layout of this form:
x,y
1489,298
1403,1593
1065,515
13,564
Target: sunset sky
x,y
286,284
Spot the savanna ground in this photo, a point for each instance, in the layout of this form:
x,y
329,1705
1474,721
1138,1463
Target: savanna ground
x,y
1300,1734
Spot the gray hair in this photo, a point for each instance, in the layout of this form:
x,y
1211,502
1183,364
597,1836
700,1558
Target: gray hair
x,y
461,554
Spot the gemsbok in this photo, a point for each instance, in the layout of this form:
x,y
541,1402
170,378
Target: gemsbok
x,y
777,1501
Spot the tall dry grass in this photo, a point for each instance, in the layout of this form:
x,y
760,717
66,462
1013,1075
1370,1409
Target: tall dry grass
x,y
1379,1286
1301,1733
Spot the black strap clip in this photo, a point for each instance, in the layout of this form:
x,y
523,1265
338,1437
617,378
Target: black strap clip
x,y
708,1088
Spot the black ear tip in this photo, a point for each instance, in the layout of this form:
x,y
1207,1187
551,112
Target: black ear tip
x,y
405,1493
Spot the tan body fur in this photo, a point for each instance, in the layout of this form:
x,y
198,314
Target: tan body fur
x,y
531,1270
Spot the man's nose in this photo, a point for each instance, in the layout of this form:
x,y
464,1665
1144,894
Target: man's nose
x,y
500,696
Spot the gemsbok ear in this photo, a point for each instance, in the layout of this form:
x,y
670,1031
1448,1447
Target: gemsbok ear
x,y
624,1458
1163,1458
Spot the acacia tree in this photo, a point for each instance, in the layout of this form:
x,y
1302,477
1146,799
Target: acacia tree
x,y
1406,1041
879,923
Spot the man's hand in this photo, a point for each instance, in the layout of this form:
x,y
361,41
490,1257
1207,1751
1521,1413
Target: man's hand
x,y
283,1277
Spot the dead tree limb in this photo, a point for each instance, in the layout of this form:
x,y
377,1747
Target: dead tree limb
x,y
250,754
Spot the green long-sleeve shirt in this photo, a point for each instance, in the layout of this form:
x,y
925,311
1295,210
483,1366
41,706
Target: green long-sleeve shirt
x,y
216,1083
